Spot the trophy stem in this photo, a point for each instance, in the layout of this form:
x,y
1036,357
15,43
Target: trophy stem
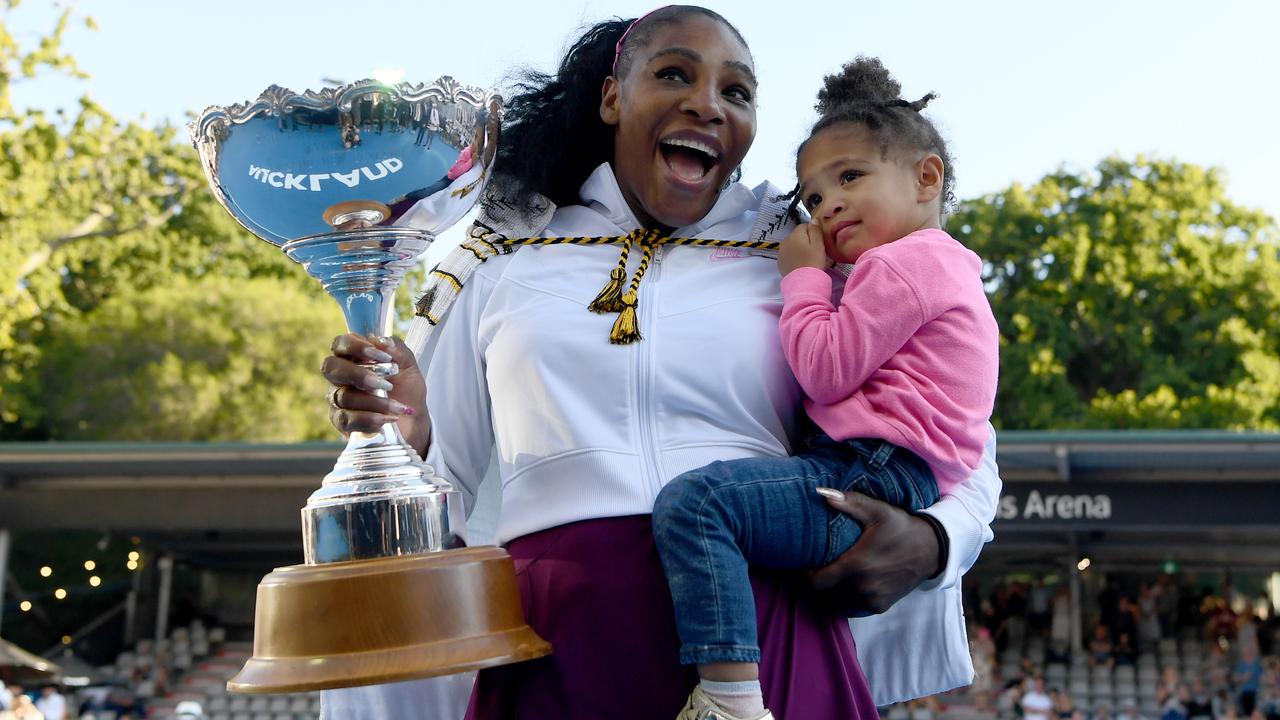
x,y
381,500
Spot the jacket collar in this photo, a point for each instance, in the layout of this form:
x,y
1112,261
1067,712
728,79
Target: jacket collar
x,y
601,193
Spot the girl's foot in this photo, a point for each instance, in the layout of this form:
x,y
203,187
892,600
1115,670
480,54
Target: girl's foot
x,y
702,707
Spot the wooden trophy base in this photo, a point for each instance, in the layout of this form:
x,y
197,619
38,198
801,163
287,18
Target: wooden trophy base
x,y
367,622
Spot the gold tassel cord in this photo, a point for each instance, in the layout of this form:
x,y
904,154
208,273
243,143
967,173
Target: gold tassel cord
x,y
611,298
626,329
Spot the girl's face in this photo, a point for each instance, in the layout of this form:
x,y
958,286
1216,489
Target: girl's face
x,y
684,117
860,198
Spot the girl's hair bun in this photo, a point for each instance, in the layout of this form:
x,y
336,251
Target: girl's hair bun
x,y
865,80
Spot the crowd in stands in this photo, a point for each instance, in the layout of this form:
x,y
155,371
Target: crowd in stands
x,y
1163,652
183,677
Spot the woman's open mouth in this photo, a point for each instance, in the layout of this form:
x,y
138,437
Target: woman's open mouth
x,y
691,160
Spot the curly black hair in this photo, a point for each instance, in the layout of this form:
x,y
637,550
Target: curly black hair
x,y
864,93
552,135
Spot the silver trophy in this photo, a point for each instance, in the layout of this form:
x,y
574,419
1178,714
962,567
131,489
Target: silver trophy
x,y
321,175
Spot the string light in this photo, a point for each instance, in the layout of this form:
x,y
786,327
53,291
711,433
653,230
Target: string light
x,y
132,564
25,606
46,571
66,639
134,555
60,594
95,581
90,565
1083,564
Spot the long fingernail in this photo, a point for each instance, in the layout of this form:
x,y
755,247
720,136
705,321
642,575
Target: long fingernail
x,y
830,493
400,408
374,354
384,342
373,382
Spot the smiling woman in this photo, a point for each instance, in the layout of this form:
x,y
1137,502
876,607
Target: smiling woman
x,y
638,135
683,105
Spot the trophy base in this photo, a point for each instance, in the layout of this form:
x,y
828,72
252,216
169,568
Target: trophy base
x,y
367,622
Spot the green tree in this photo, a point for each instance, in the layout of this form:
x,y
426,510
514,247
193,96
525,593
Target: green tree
x,y
100,212
204,360
1133,296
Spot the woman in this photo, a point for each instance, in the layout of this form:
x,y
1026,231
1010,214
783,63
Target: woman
x,y
644,127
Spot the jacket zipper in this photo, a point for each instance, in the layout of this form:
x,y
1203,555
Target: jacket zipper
x,y
650,458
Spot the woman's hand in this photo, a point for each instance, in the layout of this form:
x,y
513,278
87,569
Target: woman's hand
x,y
353,406
896,552
802,248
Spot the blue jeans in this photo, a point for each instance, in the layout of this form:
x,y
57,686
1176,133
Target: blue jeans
x,y
711,522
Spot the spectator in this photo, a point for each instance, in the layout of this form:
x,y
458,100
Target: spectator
x,y
983,652
1039,607
52,704
1100,648
1166,597
1035,704
1063,706
1124,652
1149,628
1126,619
1247,678
1060,625
1222,621
1016,616
1247,632
1217,668
1174,706
1199,703
1169,683
24,709
1223,706
1009,702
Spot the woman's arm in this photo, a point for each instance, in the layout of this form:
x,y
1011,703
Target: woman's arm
x,y
899,552
453,364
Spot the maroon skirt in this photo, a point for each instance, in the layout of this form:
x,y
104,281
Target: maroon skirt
x,y
596,591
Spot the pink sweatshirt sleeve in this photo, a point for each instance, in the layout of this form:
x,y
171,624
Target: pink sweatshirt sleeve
x,y
833,350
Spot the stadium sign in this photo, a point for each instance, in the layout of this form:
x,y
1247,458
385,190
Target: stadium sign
x,y
1060,506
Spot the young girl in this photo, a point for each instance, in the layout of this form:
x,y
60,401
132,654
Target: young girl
x,y
900,379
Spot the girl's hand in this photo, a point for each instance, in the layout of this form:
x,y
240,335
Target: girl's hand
x,y
802,248
353,406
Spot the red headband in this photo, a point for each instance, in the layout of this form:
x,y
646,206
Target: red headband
x,y
617,50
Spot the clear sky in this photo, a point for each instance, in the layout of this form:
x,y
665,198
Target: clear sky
x,y
1025,86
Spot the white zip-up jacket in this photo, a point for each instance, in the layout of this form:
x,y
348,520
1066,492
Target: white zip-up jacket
x,y
586,429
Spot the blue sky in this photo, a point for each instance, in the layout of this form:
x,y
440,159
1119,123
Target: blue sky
x,y
1025,86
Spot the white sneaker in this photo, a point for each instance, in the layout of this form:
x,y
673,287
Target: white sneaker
x,y
702,707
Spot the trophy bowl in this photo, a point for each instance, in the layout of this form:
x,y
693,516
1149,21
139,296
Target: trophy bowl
x,y
388,590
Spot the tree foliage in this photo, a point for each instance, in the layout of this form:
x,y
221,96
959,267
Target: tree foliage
x,y
98,214
1133,296
203,360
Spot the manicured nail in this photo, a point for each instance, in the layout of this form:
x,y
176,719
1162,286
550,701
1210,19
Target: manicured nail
x,y
384,342
830,493
374,354
373,382
400,408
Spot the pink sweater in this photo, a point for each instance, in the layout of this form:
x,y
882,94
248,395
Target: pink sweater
x,y
911,355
